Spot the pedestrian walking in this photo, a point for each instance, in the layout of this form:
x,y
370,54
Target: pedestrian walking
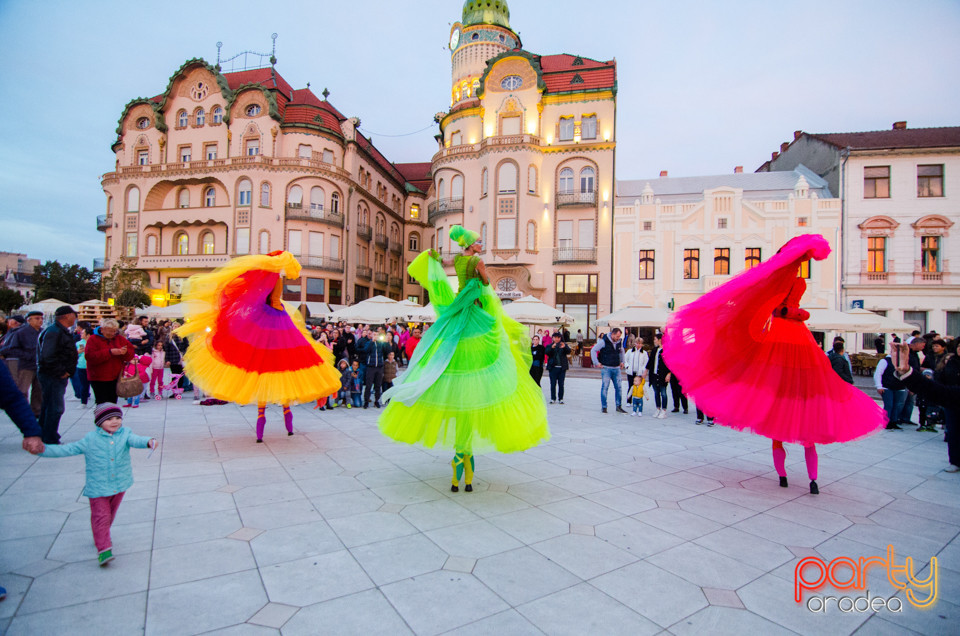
x,y
608,353
557,365
56,363
659,376
22,347
537,353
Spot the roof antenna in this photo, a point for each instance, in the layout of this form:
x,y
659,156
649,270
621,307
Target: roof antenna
x,y
219,45
273,54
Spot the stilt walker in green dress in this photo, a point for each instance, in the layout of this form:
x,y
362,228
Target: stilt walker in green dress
x,y
467,387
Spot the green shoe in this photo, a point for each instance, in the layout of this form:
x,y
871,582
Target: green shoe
x,y
105,557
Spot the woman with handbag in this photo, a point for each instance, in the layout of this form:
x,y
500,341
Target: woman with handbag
x,y
106,352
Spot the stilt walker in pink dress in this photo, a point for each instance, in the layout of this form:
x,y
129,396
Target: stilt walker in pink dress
x,y
745,355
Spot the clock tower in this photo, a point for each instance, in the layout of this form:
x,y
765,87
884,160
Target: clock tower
x,y
483,33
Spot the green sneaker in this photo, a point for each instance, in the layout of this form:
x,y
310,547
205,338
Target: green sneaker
x,y
349,406
105,557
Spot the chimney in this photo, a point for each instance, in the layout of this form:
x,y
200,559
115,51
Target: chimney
x,y
774,155
663,173
797,133
783,146
738,170
899,125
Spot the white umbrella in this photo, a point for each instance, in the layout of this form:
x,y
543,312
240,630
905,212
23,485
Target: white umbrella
x,y
875,323
416,313
45,307
635,315
832,320
377,310
530,310
169,312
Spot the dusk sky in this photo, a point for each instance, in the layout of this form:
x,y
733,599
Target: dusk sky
x,y
703,86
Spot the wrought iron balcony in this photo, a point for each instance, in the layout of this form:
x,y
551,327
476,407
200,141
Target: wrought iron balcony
x,y
364,232
364,272
574,255
440,207
381,240
396,247
99,264
576,199
295,211
104,222
396,282
322,262
380,278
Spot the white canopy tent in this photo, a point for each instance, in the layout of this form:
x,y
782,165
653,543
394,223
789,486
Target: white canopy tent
x,y
170,312
530,310
416,313
635,315
376,311
875,323
46,307
833,320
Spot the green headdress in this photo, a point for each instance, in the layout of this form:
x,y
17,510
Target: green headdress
x,y
464,237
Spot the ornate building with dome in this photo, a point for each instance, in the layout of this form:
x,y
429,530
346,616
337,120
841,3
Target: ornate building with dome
x,y
222,164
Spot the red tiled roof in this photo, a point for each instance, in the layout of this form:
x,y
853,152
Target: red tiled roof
x,y
379,159
560,73
903,138
417,174
305,107
267,77
473,102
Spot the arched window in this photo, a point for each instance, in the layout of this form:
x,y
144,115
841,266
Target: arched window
x,y
206,243
200,117
182,120
151,245
587,179
381,225
210,197
245,192
253,110
483,235
316,199
483,183
265,195
456,187
183,198
217,115
363,216
507,178
395,232
532,179
295,197
413,243
133,199
565,183
531,236
335,203
264,242
441,189
181,244
109,206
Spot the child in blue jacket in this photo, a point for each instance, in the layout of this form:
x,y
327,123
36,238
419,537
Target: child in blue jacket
x,y
106,451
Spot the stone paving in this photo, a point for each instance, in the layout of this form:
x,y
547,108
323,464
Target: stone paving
x,y
618,525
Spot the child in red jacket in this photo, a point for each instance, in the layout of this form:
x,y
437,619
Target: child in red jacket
x,y
138,366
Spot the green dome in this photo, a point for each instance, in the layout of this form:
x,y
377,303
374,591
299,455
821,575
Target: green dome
x,y
486,12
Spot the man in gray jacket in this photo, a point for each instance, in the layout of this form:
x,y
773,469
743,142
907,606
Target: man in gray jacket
x,y
22,347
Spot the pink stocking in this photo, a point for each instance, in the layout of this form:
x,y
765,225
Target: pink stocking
x,y
288,418
810,454
779,457
261,420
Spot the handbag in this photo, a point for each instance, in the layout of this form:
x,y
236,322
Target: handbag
x,y
129,386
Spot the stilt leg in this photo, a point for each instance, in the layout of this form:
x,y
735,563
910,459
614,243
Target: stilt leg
x,y
468,472
288,419
779,461
261,421
810,454
458,468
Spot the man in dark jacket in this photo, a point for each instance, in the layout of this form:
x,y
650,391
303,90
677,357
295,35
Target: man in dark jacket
x,y
659,375
56,362
945,395
557,365
608,353
372,350
22,347
839,362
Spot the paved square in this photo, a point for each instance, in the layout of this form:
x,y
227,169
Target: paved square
x,y
618,525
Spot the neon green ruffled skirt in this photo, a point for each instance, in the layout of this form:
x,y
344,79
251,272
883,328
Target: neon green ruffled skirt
x,y
468,386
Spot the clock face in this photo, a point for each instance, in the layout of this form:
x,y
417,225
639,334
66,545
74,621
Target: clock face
x,y
506,284
454,38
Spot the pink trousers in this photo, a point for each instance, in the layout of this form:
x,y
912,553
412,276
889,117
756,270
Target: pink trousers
x,y
156,378
103,510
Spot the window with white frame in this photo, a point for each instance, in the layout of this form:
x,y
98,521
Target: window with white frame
x,y
483,183
335,203
507,178
143,157
565,234
304,151
588,127
206,243
210,197
131,244
295,197
217,115
183,198
316,200
185,154
182,119
200,117
181,244
532,179
327,156
293,242
133,199
242,240
210,151
253,110
245,192
585,233
588,180
264,247
253,147
566,129
315,243
151,247
265,195
506,234
565,182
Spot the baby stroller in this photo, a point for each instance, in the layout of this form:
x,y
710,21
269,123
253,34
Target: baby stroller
x,y
175,391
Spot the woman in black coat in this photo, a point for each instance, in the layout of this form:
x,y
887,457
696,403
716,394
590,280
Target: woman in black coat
x,y
536,366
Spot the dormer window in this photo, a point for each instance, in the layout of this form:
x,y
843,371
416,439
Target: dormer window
x,y
143,123
253,110
511,82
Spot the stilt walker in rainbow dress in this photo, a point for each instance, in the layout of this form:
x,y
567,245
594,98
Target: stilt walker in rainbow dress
x,y
468,386
744,354
245,347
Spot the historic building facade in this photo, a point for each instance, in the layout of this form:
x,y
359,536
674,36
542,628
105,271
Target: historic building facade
x,y
900,191
225,164
526,159
678,238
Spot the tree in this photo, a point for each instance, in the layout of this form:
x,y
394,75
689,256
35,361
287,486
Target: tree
x,y
69,283
132,298
125,276
10,299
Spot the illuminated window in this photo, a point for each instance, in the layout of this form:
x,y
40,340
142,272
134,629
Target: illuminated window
x,y
131,244
646,265
721,261
930,257
752,257
805,269
181,244
691,264
206,242
876,254
414,211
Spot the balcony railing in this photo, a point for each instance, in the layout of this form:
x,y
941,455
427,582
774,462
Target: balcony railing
x,y
322,262
440,207
576,199
243,161
927,277
99,264
396,282
364,232
574,255
381,240
873,277
104,222
297,211
364,272
396,247
380,278
182,261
